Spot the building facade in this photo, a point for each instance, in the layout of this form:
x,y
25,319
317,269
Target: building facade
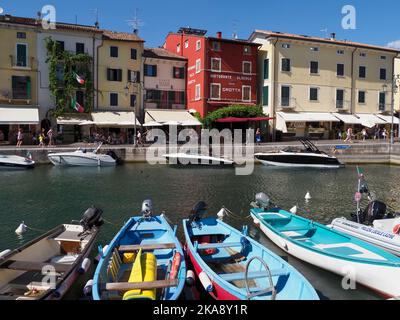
x,y
221,72
314,86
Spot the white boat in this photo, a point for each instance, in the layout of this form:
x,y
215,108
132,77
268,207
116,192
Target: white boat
x,y
46,268
308,157
16,162
196,159
82,157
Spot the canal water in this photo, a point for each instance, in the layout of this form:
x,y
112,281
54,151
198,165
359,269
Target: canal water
x,y
48,196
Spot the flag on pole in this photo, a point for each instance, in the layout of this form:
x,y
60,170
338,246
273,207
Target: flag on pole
x,y
75,105
80,80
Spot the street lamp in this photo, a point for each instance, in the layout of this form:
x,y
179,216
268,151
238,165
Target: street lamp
x,y
127,88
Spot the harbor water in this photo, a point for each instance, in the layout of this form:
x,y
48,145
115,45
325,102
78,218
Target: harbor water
x,y
48,196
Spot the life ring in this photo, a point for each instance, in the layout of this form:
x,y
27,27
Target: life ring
x,y
396,229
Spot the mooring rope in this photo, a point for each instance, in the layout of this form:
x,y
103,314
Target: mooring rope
x,y
231,214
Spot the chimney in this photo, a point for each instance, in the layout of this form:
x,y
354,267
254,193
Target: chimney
x,y
333,36
219,34
7,17
97,25
136,31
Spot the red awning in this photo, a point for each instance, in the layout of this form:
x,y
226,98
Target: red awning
x,y
231,120
231,103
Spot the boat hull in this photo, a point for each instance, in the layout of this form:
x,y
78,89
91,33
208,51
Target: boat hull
x,y
79,160
194,160
298,160
15,163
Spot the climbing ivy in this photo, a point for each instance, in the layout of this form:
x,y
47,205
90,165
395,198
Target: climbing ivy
x,y
64,88
237,111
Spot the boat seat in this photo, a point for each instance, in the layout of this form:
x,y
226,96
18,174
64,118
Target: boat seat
x,y
126,286
206,246
34,266
144,247
308,228
273,219
230,277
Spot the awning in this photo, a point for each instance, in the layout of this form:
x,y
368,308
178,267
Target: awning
x,y
114,119
174,117
233,120
370,120
18,115
388,119
73,119
347,118
307,117
152,124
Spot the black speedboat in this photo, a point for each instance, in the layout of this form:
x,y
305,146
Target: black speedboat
x,y
309,156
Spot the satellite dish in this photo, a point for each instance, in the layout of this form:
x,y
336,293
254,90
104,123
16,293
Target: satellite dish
x,y
1,10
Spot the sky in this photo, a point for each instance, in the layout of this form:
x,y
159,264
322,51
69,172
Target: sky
x,y
376,21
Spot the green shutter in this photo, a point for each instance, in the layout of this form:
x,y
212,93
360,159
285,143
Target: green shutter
x,y
266,69
28,87
265,95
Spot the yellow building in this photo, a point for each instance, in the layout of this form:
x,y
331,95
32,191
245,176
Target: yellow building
x,y
397,94
315,87
18,78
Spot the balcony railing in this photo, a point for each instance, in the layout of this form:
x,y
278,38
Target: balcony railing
x,y
342,104
287,102
19,63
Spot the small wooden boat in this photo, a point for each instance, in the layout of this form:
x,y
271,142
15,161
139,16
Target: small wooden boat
x,y
232,266
144,261
45,268
329,249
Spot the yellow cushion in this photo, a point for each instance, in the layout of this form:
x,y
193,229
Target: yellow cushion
x,y
129,257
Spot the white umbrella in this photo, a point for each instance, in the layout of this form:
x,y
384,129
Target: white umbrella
x,y
152,124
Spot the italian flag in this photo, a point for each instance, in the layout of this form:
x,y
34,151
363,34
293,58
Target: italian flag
x,y
75,105
80,80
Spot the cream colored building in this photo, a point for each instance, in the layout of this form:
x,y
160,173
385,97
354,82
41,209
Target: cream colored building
x,y
314,86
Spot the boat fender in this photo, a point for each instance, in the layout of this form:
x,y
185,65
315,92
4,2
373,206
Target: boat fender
x,y
256,223
284,245
308,196
190,278
246,246
396,229
60,291
294,210
21,229
102,251
84,266
221,214
87,290
4,253
176,262
206,282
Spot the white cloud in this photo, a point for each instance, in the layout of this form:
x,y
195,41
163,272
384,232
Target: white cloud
x,y
394,44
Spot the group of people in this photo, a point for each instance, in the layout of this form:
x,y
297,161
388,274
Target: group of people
x,y
42,138
378,134
114,138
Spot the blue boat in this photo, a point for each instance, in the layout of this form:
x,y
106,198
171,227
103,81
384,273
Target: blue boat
x,y
144,261
232,266
317,244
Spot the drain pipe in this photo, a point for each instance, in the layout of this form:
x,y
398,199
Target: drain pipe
x,y
273,83
97,72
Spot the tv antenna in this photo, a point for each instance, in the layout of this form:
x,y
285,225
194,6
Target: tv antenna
x,y
135,23
326,32
235,23
96,13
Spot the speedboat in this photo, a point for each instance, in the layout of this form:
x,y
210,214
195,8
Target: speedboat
x,y
16,162
232,266
144,261
196,159
309,157
82,157
47,267
329,249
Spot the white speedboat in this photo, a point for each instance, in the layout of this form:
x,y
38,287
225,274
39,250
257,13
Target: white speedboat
x,y
82,157
47,267
308,157
16,162
196,159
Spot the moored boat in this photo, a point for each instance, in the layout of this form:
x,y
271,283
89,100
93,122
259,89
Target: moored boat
x,y
144,261
328,249
16,162
46,268
196,159
232,266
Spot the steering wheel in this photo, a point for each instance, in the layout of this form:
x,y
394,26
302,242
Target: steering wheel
x,y
261,292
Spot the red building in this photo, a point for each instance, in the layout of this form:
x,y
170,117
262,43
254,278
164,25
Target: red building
x,y
220,72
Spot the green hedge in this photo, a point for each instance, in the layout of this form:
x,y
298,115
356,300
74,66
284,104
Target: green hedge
x,y
235,111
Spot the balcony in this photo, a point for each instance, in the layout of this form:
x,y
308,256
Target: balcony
x,y
21,64
342,104
17,97
287,103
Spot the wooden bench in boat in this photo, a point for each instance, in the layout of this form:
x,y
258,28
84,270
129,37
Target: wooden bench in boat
x,y
230,277
206,246
33,266
305,228
144,247
126,286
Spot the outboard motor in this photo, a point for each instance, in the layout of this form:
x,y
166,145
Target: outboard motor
x,y
113,155
197,212
376,210
262,200
92,218
147,208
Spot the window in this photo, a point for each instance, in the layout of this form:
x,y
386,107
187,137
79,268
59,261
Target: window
x,y
133,100
265,96
266,69
178,47
21,35
179,73
198,45
114,74
362,73
186,44
382,74
383,57
286,45
314,49
216,46
60,45
285,96
21,87
215,91
133,76
314,67
113,52
150,70
197,92
247,67
339,98
80,48
286,65
246,93
340,52
361,96
198,65
340,70
133,54
362,54
153,95
313,94
382,101
247,50
22,55
216,64
114,99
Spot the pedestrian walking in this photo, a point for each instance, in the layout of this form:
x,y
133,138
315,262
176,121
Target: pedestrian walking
x,y
377,133
384,134
20,138
50,134
364,134
349,135
41,139
258,136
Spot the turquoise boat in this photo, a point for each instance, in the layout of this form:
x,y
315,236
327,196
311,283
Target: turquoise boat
x,y
329,249
144,261
232,266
